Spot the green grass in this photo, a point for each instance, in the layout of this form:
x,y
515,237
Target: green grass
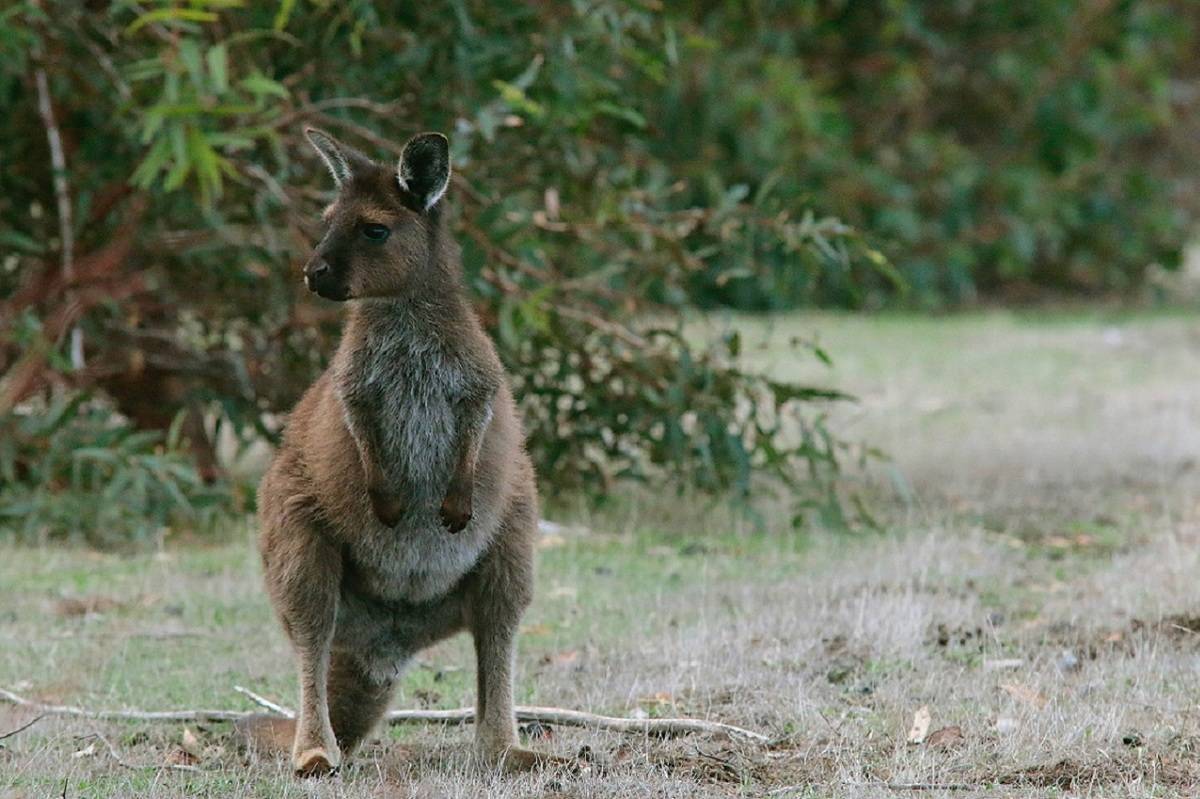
x,y
1048,506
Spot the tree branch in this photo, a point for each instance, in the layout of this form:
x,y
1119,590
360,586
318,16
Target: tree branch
x,y
23,727
546,715
578,718
62,195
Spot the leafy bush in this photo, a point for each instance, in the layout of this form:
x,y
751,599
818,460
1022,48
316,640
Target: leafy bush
x,y
194,196
984,146
73,471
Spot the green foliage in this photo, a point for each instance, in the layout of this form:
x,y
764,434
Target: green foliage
x,y
983,146
195,198
73,472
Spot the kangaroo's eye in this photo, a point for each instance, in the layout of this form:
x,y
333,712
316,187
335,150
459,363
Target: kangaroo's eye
x,y
376,232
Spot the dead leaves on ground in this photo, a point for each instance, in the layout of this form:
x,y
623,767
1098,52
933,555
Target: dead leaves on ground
x,y
100,605
920,726
952,736
941,738
946,738
1025,695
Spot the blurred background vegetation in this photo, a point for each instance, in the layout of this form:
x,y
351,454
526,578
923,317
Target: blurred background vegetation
x,y
619,162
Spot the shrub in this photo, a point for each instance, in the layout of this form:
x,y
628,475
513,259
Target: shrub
x,y
193,197
74,471
985,147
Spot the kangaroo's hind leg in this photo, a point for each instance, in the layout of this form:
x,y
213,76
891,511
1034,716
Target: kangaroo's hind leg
x,y
303,574
501,589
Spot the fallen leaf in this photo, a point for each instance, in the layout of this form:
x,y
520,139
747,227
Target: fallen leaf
x,y
946,737
920,725
191,744
1024,694
536,629
87,751
561,658
85,606
178,756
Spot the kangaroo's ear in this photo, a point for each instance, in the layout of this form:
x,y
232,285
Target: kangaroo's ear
x,y
424,170
341,159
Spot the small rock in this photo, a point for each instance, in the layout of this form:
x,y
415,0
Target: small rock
x,y
1006,726
1068,661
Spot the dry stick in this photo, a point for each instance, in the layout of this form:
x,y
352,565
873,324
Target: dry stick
x,y
578,718
124,715
546,715
23,727
887,786
112,750
62,194
267,703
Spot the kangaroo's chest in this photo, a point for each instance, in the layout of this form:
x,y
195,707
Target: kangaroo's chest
x,y
409,393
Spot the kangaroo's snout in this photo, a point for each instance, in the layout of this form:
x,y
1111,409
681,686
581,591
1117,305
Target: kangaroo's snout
x,y
316,269
320,280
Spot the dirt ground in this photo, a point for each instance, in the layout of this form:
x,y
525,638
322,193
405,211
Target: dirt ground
x,y
1026,623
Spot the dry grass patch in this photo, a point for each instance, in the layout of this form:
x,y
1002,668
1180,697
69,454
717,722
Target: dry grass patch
x,y
1034,591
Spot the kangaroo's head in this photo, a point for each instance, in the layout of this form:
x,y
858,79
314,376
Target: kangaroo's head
x,y
381,231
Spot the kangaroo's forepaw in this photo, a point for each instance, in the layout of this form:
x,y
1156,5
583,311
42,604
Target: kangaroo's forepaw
x,y
456,512
315,762
388,509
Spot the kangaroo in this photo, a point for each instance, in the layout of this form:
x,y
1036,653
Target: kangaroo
x,y
401,506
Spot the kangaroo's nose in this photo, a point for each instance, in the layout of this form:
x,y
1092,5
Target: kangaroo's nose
x,y
314,270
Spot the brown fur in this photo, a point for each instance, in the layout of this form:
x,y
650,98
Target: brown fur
x,y
401,507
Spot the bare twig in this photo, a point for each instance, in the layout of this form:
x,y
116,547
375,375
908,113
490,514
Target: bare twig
x,y
546,715
123,715
602,325
929,786
914,786
112,750
62,195
578,718
23,727
274,707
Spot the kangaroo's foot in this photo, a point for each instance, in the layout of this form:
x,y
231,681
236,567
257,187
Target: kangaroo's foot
x,y
317,761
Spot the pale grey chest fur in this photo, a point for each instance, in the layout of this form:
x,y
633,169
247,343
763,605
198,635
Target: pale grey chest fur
x,y
399,389
403,386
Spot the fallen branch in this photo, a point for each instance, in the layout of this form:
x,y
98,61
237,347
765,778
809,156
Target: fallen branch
x,y
545,715
23,727
287,712
112,750
124,715
578,718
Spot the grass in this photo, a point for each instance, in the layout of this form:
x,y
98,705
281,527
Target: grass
x,y
1034,587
